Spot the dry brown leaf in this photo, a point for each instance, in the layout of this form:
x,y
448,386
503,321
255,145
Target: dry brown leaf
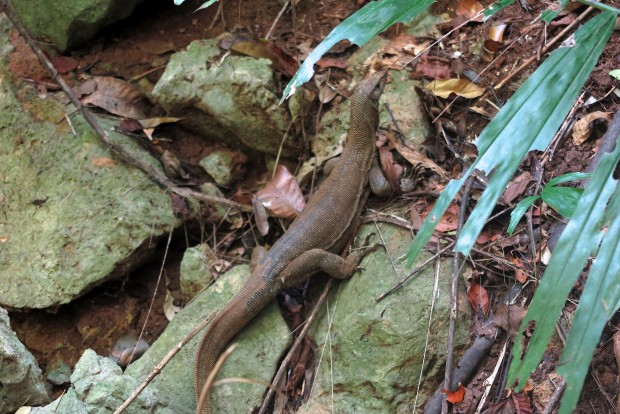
x,y
469,9
155,122
515,188
260,217
398,52
64,64
449,220
282,196
509,318
103,162
460,87
260,48
391,169
581,130
415,158
115,96
519,273
434,68
478,296
489,235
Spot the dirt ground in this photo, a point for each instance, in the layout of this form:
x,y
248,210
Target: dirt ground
x,y
140,47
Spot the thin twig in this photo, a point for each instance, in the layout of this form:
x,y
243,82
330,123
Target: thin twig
x,y
555,397
413,273
298,341
454,286
118,150
428,330
544,49
488,382
277,19
163,363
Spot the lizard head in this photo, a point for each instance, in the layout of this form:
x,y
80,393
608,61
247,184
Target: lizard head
x,y
372,87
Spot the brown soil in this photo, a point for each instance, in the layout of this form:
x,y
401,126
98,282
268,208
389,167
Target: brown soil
x,y
142,44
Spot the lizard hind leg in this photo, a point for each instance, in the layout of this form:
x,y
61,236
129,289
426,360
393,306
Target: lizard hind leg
x,y
316,260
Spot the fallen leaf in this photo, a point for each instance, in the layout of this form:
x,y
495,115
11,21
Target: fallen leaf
x,y
455,396
487,236
102,162
478,296
170,309
260,217
131,125
327,62
509,318
516,188
460,87
115,96
128,348
260,48
179,205
64,64
519,273
416,158
282,196
581,130
391,169
514,403
155,122
449,221
434,68
469,9
398,52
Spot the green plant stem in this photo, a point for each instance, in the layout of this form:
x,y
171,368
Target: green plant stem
x,y
601,6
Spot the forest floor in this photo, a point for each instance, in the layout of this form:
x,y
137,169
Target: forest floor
x,y
140,46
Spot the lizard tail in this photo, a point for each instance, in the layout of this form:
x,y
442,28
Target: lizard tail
x,y
246,304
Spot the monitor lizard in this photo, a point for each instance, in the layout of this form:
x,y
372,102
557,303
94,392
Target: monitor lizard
x,y
311,243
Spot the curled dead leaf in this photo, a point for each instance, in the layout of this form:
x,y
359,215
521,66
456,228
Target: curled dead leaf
x,y
470,9
282,196
416,158
478,296
460,87
582,131
115,96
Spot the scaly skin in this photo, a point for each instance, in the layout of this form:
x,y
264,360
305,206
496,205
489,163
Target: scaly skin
x,y
310,243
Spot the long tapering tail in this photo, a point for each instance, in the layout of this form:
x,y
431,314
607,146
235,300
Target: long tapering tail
x,y
247,303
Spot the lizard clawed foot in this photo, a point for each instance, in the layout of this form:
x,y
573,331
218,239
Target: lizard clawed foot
x,y
367,248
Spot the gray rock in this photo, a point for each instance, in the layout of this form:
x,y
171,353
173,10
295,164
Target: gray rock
x,y
58,373
73,216
195,273
98,386
372,353
233,101
70,23
219,165
260,347
20,377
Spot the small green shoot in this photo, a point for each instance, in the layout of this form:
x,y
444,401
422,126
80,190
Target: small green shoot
x,y
562,199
